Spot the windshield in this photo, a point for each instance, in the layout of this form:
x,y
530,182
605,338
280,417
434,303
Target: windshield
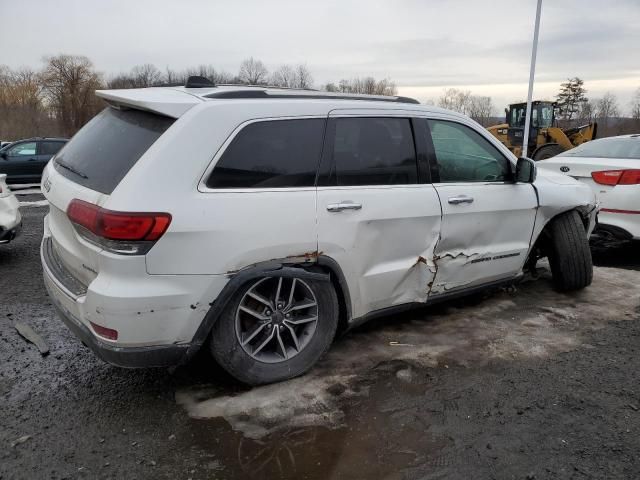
x,y
541,115
614,147
518,116
105,149
545,116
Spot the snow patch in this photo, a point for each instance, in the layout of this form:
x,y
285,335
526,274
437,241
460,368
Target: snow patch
x,y
535,322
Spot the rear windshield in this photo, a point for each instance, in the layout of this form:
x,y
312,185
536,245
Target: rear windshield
x,y
626,147
104,150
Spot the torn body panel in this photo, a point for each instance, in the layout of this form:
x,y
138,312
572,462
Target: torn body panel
x,y
378,246
558,194
416,284
484,240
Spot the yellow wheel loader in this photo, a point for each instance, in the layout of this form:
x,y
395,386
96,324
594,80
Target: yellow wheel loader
x,y
546,139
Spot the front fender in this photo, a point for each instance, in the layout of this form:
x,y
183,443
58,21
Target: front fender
x,y
558,194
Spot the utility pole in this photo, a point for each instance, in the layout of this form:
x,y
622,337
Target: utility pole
x,y
532,72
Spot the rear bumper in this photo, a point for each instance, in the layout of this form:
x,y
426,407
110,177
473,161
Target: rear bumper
x,y
129,357
70,307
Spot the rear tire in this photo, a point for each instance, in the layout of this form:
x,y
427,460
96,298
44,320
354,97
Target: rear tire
x,y
282,357
569,253
547,151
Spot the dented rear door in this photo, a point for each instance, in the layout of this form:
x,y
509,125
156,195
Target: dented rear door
x,y
376,216
487,219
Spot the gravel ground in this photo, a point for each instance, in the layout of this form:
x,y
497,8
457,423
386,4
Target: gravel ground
x,y
525,384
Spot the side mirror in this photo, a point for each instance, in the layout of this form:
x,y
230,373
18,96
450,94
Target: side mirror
x,y
3,155
526,170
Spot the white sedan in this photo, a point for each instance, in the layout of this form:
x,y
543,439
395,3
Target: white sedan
x,y
611,167
10,218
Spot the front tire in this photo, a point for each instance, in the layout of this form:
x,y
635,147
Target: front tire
x,y
547,151
275,328
569,253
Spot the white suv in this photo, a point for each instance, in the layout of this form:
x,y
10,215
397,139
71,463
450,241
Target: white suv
x,y
10,218
261,221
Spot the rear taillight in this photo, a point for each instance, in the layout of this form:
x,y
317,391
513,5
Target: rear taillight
x,y
130,233
104,332
617,177
630,177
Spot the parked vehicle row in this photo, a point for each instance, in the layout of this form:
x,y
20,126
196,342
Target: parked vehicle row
x,y
611,167
24,160
259,222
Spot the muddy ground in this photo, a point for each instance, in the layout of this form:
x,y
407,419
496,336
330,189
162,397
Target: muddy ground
x,y
522,384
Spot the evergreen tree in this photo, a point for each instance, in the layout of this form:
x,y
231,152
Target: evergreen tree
x,y
570,98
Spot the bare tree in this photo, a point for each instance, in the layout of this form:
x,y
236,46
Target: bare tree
x,y
253,72
69,83
284,76
146,75
22,112
211,73
363,85
456,100
331,87
304,79
480,109
587,112
292,77
635,105
606,110
607,106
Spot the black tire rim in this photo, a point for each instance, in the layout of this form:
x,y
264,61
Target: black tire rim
x,y
276,319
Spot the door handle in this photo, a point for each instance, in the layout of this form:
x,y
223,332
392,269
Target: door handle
x,y
338,207
460,199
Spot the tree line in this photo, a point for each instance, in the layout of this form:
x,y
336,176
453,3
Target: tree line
x,y
573,108
58,98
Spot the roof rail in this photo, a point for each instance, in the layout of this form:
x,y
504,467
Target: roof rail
x,y
197,81
240,94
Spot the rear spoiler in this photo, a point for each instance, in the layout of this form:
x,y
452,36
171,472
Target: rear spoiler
x,y
165,101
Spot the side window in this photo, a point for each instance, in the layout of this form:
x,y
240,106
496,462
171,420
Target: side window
x,y
463,155
271,154
374,151
23,149
50,148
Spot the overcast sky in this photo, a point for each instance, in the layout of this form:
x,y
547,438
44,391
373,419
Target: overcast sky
x,y
423,45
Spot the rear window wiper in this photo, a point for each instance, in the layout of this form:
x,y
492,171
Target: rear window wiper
x,y
71,169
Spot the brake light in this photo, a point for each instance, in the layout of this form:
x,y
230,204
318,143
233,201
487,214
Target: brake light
x,y
104,332
630,177
617,177
131,233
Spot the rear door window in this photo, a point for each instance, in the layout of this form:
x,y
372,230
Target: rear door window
x,y
373,151
104,150
271,154
22,150
49,148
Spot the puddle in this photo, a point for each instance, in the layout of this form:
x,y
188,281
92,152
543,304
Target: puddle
x,y
336,414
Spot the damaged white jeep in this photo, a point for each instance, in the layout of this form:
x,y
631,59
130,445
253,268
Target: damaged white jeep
x,y
259,222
